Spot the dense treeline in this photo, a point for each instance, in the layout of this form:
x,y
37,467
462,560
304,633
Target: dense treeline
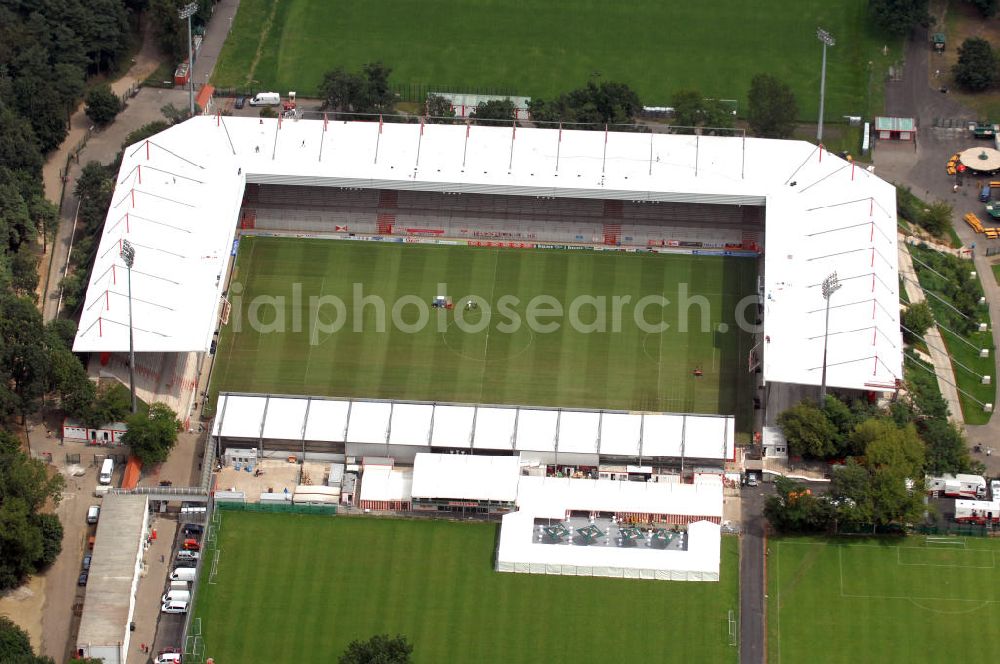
x,y
48,49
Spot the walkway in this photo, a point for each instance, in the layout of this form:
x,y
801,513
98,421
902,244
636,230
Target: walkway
x,y
935,344
923,172
104,145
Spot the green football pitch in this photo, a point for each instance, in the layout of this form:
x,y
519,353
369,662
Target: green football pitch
x,y
300,588
540,49
305,320
911,600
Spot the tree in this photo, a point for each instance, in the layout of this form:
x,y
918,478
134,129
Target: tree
x,y
687,108
379,649
808,431
52,534
113,404
850,488
794,508
102,105
495,109
772,108
152,435
27,538
936,218
947,451
976,69
899,17
887,446
988,8
439,110
15,645
915,320
24,274
367,91
591,107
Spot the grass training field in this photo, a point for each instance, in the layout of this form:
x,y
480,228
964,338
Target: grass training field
x,y
508,351
891,600
300,588
540,49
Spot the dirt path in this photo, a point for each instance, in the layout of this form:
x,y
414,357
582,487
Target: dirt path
x,y
260,45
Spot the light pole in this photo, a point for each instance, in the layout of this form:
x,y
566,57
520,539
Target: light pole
x,y
830,286
186,12
128,255
827,40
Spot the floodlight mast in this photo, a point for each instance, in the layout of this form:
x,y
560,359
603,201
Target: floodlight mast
x,y
827,40
186,12
830,286
128,256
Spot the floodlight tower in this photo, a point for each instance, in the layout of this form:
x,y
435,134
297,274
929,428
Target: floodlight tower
x,y
827,40
128,255
830,286
186,12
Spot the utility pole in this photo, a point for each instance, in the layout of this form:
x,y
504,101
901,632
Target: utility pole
x,y
830,286
186,12
128,255
827,40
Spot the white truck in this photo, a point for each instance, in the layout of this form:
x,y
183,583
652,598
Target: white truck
x,y
981,512
957,486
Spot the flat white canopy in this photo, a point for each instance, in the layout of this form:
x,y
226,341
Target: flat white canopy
x,y
466,477
178,197
483,428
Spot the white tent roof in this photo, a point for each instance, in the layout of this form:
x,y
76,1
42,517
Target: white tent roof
x,y
536,430
385,483
285,418
578,431
494,428
822,215
621,434
411,423
552,496
466,476
327,420
517,551
452,426
369,421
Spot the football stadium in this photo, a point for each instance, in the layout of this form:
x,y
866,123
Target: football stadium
x,y
565,332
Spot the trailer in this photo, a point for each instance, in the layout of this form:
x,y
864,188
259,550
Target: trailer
x,y
957,486
980,512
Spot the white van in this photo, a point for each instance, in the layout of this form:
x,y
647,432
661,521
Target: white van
x,y
174,607
107,468
179,585
266,99
176,596
183,574
93,514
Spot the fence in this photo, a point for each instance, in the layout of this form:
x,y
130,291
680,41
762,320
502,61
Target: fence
x,y
412,92
277,508
964,529
74,155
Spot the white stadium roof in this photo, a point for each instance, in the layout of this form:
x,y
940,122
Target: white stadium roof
x,y
483,428
178,197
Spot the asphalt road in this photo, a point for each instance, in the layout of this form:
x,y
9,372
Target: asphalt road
x,y
753,608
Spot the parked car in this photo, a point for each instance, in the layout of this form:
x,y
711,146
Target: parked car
x,y
188,555
93,514
82,579
181,563
191,545
174,607
193,529
168,657
240,102
86,561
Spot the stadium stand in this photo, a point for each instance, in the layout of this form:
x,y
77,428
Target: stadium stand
x,y
299,209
